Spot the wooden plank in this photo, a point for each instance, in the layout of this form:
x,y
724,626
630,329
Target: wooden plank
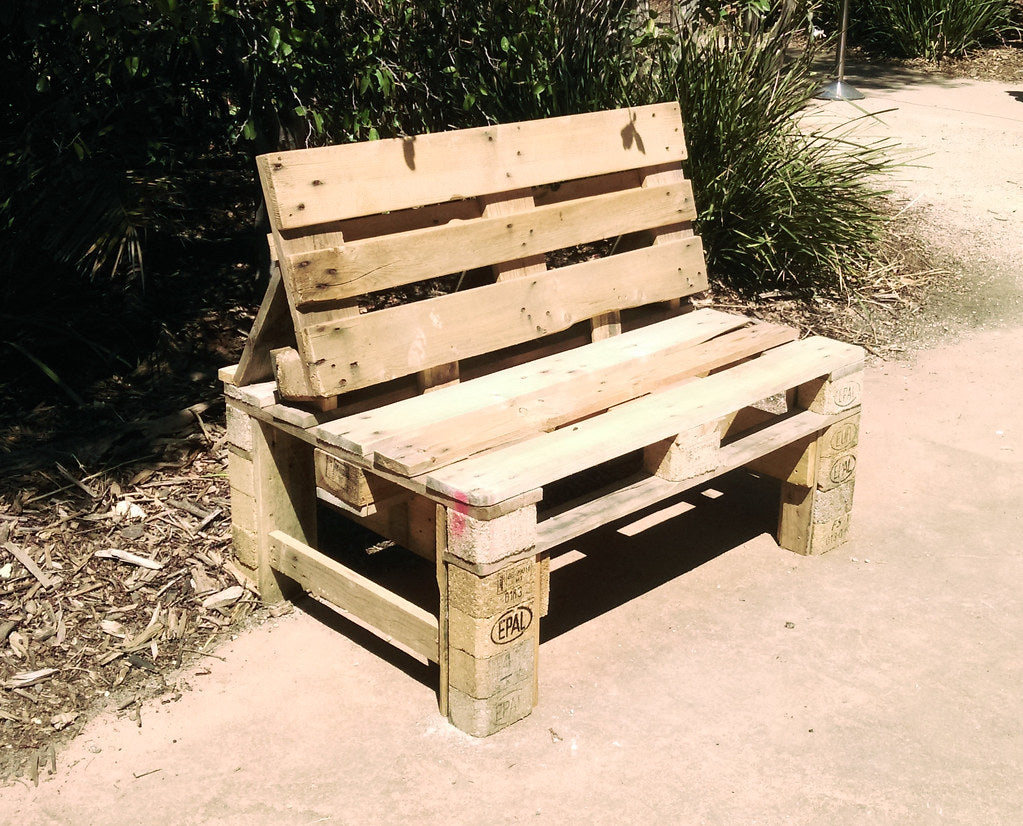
x,y
360,433
443,649
328,579
406,220
290,373
285,498
368,349
417,486
492,206
519,263
263,394
271,329
626,497
562,191
507,234
501,474
580,392
306,187
506,203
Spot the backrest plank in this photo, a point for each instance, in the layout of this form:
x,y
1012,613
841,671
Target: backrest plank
x,y
307,187
389,261
375,347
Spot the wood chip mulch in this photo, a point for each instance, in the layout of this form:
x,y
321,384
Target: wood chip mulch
x,y
110,581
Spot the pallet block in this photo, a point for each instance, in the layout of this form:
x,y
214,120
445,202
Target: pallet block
x,y
493,642
441,422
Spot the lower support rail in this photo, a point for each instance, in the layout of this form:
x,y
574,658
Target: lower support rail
x,y
642,490
392,615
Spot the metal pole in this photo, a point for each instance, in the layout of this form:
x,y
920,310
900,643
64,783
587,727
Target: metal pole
x,y
840,90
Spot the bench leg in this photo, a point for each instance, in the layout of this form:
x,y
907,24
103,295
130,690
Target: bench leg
x,y
490,618
814,518
272,488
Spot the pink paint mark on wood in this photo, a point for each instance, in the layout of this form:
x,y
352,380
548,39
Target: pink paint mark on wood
x,y
457,514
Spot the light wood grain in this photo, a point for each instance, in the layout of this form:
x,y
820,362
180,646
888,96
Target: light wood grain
x,y
368,349
531,464
506,235
285,498
628,496
579,393
272,328
314,186
361,433
324,577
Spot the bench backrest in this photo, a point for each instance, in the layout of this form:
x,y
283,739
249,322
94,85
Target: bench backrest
x,y
362,233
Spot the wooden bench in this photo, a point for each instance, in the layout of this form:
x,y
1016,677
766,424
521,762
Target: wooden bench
x,y
458,321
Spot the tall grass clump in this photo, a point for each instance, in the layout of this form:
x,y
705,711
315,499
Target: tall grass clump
x,y
934,29
779,206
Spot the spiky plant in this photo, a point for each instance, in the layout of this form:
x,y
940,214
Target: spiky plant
x,y
779,206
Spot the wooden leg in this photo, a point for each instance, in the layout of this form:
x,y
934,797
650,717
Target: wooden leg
x,y
490,617
242,476
814,517
493,640
273,487
285,500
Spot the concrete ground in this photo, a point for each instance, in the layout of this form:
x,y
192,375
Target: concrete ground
x,y
691,672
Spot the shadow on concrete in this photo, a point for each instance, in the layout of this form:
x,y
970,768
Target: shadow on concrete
x,y
426,674
610,566
393,567
629,558
1018,96
882,75
887,77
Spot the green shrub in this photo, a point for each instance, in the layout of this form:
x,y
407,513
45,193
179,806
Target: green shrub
x,y
934,29
777,206
111,103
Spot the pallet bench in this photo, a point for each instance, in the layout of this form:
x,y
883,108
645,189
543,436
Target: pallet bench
x,y
457,321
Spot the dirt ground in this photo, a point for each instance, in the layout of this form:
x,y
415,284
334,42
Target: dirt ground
x,y
690,671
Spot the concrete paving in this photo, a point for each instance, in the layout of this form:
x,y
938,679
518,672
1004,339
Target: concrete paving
x,y
691,672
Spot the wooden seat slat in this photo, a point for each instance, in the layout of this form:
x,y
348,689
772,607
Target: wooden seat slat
x,y
367,349
389,261
492,477
307,187
358,434
583,392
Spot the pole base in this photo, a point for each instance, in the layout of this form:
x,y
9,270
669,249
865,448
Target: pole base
x,y
839,90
